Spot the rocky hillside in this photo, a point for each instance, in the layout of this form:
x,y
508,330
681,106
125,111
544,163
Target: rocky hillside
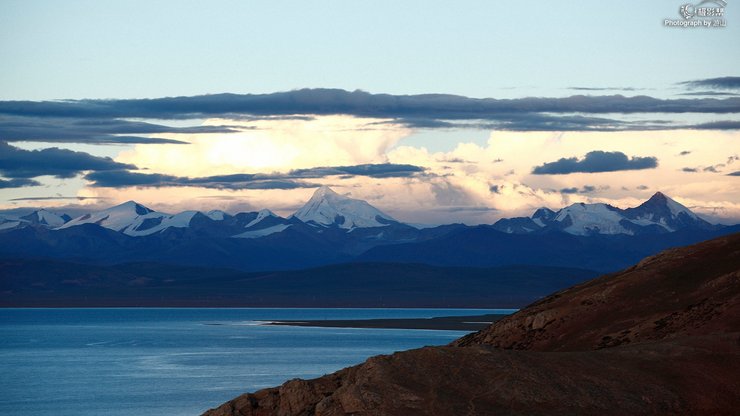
x,y
662,337
681,292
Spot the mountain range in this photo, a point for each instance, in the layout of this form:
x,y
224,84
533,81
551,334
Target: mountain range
x,y
332,228
62,260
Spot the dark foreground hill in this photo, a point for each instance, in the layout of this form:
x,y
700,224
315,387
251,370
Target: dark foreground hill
x,y
662,337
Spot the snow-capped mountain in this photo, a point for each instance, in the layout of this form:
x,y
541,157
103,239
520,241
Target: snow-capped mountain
x,y
9,223
327,208
44,217
261,216
217,215
39,217
334,229
264,223
125,218
585,219
664,211
659,214
136,220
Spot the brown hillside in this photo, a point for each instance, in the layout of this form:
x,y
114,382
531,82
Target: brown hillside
x,y
662,337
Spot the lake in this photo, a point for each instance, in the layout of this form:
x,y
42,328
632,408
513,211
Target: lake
x,y
161,361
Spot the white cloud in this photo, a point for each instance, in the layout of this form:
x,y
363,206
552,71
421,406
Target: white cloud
x,y
272,145
457,185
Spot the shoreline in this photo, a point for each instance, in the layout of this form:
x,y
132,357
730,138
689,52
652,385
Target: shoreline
x,y
443,323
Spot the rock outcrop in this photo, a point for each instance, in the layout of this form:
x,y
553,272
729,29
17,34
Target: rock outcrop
x,y
662,337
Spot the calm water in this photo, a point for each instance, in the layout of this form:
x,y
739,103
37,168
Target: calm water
x,y
178,361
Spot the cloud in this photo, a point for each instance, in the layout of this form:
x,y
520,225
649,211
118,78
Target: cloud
x,y
421,111
61,163
596,161
734,173
712,169
290,180
605,88
723,83
710,93
382,170
717,125
643,187
685,153
586,189
57,198
360,103
94,130
17,183
447,194
123,179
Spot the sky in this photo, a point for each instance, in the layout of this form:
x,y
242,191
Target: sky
x,y
435,112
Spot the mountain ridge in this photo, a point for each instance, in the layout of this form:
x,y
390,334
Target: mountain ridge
x,y
262,240
326,208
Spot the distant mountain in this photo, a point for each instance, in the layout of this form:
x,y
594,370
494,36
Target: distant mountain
x,y
327,208
44,217
29,283
665,212
485,246
659,214
659,338
129,218
333,228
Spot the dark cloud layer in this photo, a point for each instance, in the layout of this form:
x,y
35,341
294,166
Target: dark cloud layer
x,y
586,189
722,83
596,161
426,110
291,180
124,178
109,121
92,130
718,125
58,198
18,163
17,183
336,101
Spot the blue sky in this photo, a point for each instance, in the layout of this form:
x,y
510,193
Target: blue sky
x,y
128,49
577,83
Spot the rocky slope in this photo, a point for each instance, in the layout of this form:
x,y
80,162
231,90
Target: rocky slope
x,y
681,292
662,337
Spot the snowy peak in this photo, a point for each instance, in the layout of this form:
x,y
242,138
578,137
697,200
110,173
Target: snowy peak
x,y
585,219
542,216
665,212
324,192
261,215
44,217
124,217
131,206
216,215
659,214
328,208
662,205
